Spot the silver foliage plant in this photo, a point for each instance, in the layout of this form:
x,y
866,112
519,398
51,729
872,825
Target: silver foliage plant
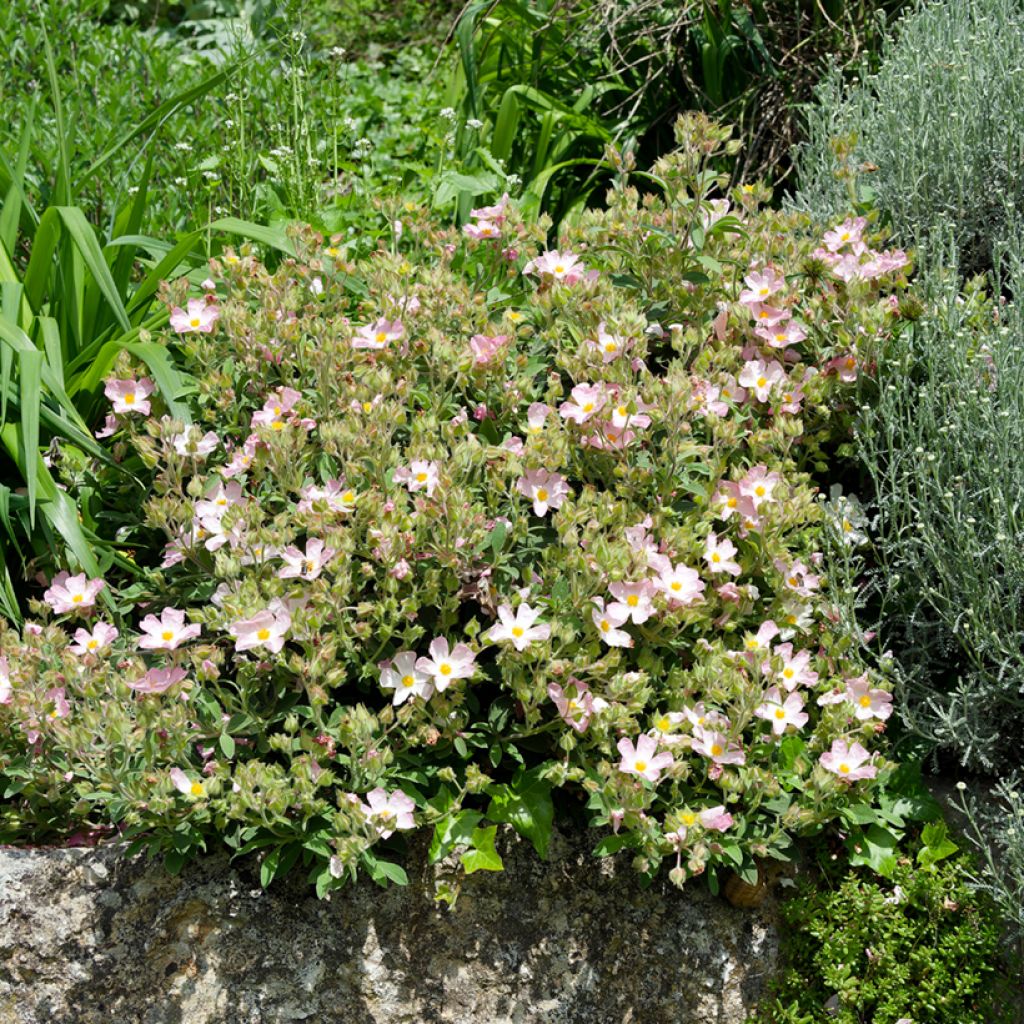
x,y
935,136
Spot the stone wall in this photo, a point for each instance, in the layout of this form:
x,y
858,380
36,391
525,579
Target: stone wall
x,y
90,936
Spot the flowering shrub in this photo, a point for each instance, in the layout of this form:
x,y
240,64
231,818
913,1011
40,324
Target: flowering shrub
x,y
470,526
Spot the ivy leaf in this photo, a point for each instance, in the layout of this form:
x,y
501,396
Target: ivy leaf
x,y
483,856
526,805
455,830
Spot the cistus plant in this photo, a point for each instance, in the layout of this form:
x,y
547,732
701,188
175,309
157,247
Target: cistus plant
x,y
470,531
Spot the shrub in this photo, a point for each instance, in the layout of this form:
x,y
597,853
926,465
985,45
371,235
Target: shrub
x,y
921,946
935,137
939,437
464,523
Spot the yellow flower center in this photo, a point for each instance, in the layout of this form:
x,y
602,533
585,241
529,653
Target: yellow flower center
x,y
277,425
517,631
732,502
676,586
93,644
77,599
716,749
167,635
589,407
622,410
309,565
850,362
788,673
632,600
865,701
129,399
760,491
688,818
445,669
792,581
381,337
194,322
664,724
780,335
542,494
408,681
640,766
197,789
780,714
367,406
716,557
421,478
761,381
263,634
559,269
763,291
605,625
844,768
610,346
348,497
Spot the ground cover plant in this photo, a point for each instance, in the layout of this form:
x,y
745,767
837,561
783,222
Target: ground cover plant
x,y
437,533
919,945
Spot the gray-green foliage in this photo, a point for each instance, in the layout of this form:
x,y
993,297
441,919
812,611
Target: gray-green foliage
x,y
942,441
936,136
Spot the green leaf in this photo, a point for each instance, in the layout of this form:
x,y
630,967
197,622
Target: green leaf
x,y
454,830
483,856
384,871
226,744
937,844
497,538
875,848
526,805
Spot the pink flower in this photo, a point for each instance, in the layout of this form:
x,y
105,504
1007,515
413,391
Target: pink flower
x,y
157,680
130,395
717,746
608,621
402,676
782,335
795,669
267,628
6,689
575,703
715,819
275,409
168,632
587,399
378,335
241,458
867,702
719,555
496,213
708,399
609,437
622,417
782,712
308,564
518,627
546,490
536,416
845,366
849,763
109,427
200,317
761,377
680,584
389,811
99,639
761,285
848,233
184,785
334,494
633,600
444,666
768,316
72,593
731,391
190,444
486,348
610,346
798,578
419,475
481,230
642,760
755,643
219,500
556,266
759,484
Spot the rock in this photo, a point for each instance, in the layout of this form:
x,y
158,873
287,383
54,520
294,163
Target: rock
x,y
90,936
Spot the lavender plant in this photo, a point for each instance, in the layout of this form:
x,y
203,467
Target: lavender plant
x,y
950,89
469,531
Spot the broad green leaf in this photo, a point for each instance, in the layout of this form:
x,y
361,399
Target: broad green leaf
x,y
483,856
454,830
526,805
937,844
874,847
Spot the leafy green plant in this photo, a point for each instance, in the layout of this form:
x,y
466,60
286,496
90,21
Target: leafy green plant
x,y
426,552
921,946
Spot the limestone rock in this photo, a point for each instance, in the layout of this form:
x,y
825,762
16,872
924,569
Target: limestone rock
x,y
90,936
